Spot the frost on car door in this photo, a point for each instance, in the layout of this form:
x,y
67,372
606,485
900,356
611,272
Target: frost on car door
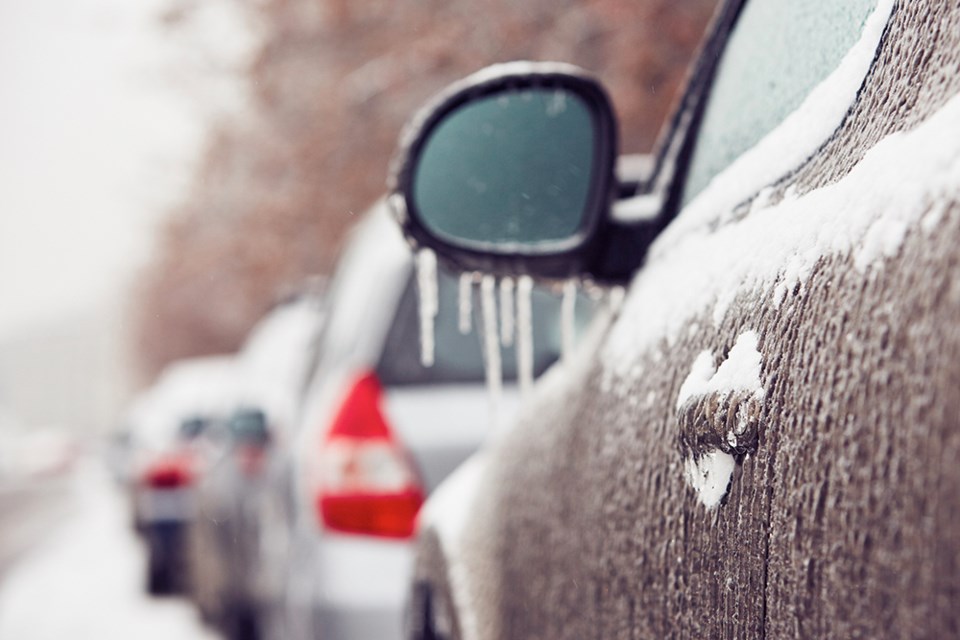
x,y
764,444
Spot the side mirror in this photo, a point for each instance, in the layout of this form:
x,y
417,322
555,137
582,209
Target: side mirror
x,y
510,171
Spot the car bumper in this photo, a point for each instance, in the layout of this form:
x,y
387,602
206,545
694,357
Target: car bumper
x,y
362,587
155,506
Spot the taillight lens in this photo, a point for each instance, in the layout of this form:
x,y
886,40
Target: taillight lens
x,y
367,484
170,471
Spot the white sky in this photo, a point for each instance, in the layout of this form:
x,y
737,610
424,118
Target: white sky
x,y
101,117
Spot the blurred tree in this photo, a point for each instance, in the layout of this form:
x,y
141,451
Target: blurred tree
x,y
332,84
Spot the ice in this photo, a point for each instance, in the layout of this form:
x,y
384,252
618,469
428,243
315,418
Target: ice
x,y
524,334
507,328
465,303
491,340
568,308
427,286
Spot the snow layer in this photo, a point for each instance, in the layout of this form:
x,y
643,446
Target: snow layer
x,y
710,476
87,581
903,178
797,138
739,372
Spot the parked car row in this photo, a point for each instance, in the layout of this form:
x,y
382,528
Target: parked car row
x,y
759,440
282,484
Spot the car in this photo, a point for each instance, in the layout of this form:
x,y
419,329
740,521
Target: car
x,y
760,439
166,422
378,431
224,538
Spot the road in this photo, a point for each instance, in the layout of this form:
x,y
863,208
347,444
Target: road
x,y
70,567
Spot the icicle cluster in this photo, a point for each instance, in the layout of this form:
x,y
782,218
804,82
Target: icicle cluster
x,y
427,286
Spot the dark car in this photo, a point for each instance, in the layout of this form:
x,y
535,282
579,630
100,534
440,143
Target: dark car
x,y
762,441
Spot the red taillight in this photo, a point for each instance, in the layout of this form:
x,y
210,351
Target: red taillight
x,y
170,471
366,482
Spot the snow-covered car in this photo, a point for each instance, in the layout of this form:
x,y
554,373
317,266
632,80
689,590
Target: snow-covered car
x,y
761,440
225,537
378,432
165,424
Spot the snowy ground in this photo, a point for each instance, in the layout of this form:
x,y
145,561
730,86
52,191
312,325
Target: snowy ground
x,y
85,579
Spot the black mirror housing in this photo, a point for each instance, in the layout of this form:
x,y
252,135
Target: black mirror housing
x,y
510,171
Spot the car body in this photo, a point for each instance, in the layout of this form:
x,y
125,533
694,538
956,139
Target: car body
x,y
166,422
224,538
379,430
761,441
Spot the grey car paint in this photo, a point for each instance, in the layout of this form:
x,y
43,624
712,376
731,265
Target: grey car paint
x,y
843,515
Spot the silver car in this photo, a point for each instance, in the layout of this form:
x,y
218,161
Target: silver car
x,y
379,431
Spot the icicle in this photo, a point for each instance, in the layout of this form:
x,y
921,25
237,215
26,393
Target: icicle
x,y
466,302
568,318
524,334
427,287
506,312
491,343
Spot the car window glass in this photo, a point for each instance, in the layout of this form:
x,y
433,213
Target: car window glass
x,y
778,52
459,357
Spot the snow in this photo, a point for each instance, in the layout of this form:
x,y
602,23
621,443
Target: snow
x,y
710,476
491,342
906,176
524,334
86,582
739,372
427,288
187,387
786,147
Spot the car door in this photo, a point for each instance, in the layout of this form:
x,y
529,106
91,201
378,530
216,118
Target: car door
x,y
762,442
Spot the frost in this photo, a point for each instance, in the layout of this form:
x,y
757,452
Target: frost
x,y
491,342
427,286
797,138
697,380
507,328
568,308
710,476
616,297
524,334
465,303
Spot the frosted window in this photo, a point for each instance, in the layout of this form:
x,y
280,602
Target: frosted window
x,y
778,52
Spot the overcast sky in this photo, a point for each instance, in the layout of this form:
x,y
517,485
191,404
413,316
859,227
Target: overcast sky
x,y
102,113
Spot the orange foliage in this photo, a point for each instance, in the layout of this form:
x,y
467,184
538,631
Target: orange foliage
x,y
332,84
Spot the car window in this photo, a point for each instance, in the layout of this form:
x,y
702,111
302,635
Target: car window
x,y
459,357
778,52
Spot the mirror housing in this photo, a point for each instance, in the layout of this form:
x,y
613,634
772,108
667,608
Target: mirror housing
x,y
525,153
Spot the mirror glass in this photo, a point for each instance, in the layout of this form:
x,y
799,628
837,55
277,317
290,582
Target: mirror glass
x,y
511,170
